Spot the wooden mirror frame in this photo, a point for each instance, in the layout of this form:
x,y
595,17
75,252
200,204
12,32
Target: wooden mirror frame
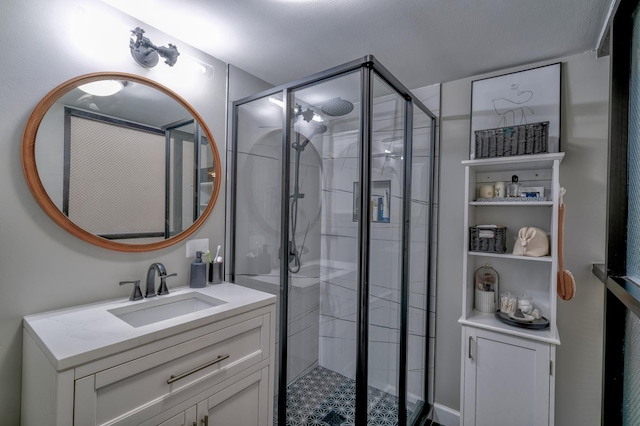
x,y
40,194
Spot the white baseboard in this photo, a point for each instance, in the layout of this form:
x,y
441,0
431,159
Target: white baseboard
x,y
445,415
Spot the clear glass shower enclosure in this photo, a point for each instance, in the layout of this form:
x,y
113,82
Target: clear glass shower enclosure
x,y
330,209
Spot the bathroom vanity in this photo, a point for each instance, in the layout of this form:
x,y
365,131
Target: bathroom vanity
x,y
193,357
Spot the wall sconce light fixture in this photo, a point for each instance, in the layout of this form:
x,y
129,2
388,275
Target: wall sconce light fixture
x,y
147,54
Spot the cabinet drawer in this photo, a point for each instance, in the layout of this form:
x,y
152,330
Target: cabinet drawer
x,y
244,400
157,381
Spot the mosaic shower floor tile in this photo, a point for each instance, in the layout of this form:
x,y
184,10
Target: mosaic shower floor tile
x,y
326,398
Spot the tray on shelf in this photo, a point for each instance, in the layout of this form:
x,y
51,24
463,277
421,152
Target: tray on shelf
x,y
512,200
536,324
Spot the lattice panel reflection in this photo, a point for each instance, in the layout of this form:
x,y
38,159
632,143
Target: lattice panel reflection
x,y
631,390
117,178
633,161
631,398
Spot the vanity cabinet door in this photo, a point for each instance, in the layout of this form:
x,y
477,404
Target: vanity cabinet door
x,y
506,380
245,403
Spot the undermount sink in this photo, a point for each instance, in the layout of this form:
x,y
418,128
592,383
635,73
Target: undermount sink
x,y
164,307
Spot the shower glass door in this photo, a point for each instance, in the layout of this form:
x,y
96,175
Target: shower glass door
x,y
386,206
419,314
256,203
323,252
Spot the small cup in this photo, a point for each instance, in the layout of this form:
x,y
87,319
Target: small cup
x,y
215,272
513,190
525,304
504,302
508,303
500,190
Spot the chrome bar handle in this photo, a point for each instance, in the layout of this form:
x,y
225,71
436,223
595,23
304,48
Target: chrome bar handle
x,y
470,342
195,370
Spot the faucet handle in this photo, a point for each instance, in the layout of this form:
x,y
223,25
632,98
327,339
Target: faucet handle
x,y
136,293
163,284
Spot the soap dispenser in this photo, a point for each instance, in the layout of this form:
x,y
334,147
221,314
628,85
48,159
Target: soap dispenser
x,y
198,277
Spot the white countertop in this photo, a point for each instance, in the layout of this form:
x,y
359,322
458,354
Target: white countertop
x,y
74,336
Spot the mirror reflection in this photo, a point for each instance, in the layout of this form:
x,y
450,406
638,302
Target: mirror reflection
x,y
131,166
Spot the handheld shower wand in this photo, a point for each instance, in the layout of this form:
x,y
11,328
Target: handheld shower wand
x,y
294,255
299,147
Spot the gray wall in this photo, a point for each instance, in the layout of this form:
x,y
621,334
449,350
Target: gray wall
x,y
42,267
584,127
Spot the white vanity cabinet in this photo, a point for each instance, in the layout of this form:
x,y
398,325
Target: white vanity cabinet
x,y
203,368
507,371
507,380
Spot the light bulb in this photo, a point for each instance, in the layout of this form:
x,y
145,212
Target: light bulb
x,y
102,87
276,102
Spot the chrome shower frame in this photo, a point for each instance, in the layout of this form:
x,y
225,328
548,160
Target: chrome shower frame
x,y
369,66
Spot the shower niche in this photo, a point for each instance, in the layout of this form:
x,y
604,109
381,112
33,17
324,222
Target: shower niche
x,y
351,276
380,202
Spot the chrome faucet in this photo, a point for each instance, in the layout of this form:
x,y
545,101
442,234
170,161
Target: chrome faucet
x,y
150,290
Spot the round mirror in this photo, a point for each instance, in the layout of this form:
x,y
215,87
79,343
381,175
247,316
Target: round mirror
x,y
121,162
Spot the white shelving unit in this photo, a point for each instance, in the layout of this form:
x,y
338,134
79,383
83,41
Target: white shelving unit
x,y
519,361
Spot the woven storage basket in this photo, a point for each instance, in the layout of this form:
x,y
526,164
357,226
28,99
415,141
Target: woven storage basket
x,y
497,244
524,139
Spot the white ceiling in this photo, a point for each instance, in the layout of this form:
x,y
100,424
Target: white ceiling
x,y
421,42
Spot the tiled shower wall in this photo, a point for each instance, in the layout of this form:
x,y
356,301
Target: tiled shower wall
x,y
338,303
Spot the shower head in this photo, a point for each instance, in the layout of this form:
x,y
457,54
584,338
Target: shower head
x,y
320,129
337,107
299,146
